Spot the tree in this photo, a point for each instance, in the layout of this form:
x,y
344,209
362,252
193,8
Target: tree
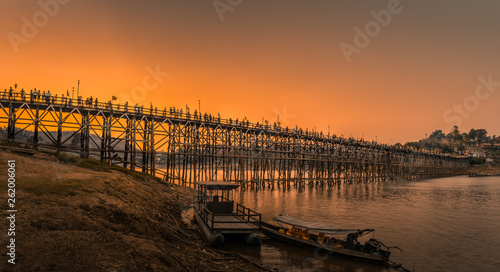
x,y
437,135
447,149
461,148
473,135
455,134
465,136
482,135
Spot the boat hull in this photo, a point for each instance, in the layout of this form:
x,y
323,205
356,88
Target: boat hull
x,y
213,238
273,232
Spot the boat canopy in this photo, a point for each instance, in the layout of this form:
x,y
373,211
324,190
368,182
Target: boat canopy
x,y
317,226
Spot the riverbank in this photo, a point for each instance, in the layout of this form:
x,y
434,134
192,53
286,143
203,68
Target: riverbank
x,y
81,215
485,168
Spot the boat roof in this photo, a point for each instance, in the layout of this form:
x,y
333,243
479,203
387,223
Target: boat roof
x,y
218,185
314,226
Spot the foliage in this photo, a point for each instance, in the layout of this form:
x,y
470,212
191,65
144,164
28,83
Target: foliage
x,y
457,142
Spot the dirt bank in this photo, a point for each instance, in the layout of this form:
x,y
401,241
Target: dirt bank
x,y
483,168
71,218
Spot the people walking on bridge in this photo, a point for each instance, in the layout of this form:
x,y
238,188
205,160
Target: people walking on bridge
x,y
22,95
125,107
10,92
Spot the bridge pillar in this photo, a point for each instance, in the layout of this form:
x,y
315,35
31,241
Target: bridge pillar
x,y
132,144
106,139
146,133
11,127
128,138
35,132
152,158
84,136
59,130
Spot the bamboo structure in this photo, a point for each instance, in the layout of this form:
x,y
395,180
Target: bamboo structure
x,y
184,148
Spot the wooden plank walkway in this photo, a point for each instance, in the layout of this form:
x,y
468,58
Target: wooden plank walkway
x,y
233,224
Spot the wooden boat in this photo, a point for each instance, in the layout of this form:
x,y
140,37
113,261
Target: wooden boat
x,y
317,235
216,215
482,174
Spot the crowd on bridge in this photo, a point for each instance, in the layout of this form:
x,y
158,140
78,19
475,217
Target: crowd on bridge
x,y
37,96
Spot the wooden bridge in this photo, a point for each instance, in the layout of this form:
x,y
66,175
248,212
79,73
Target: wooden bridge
x,y
184,148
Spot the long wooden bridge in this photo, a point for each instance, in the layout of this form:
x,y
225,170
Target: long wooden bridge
x,y
184,148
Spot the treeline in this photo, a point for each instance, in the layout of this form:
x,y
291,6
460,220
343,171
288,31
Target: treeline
x,y
457,142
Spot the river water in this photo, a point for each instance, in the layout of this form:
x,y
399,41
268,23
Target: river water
x,y
445,224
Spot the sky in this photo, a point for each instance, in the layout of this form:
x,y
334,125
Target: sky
x,y
387,70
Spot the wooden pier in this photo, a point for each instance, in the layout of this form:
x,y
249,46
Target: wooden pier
x,y
186,148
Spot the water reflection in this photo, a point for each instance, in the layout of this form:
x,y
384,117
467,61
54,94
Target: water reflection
x,y
448,224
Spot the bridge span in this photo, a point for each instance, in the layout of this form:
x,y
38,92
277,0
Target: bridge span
x,y
184,148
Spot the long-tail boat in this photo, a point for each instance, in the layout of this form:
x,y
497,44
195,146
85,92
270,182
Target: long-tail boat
x,y
335,241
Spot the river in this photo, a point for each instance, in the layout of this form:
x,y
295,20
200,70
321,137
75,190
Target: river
x,y
445,224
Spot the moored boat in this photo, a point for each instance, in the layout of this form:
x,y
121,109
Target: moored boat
x,y
483,174
218,216
335,241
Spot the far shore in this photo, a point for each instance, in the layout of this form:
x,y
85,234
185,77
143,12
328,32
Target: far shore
x,y
485,168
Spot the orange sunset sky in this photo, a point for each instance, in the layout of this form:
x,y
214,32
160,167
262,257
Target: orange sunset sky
x,y
263,58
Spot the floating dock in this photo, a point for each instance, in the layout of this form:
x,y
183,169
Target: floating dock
x,y
215,212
